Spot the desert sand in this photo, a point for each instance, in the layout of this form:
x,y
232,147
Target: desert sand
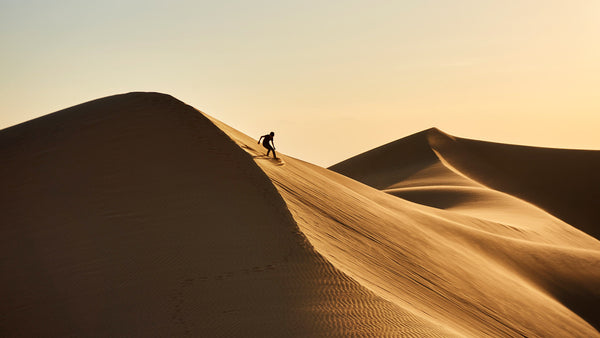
x,y
138,215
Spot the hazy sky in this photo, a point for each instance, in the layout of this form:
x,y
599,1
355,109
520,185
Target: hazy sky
x,y
331,78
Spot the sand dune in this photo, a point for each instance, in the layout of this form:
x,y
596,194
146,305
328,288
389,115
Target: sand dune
x,y
563,182
138,215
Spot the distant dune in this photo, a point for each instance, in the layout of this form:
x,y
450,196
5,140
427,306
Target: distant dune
x,y
563,182
137,215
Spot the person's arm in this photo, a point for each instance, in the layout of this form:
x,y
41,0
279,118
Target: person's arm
x,y
260,139
273,143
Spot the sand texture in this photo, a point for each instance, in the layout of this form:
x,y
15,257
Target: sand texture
x,y
137,215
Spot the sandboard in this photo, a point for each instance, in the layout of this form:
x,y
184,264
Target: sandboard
x,y
277,161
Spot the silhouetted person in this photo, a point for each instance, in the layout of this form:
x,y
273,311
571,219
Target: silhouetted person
x,y
266,144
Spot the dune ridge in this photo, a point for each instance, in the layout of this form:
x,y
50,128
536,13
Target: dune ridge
x,y
138,215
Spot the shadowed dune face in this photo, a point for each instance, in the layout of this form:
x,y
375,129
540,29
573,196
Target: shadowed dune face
x,y
563,182
119,219
138,215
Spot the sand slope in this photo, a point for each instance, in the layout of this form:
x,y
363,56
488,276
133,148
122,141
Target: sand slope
x,y
473,275
138,215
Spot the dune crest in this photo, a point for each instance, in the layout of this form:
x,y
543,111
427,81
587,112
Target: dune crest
x,y
138,215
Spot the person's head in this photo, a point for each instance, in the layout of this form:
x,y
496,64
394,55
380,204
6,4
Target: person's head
x,y
272,134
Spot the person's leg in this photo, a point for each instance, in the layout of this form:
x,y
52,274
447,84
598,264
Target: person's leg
x,y
269,149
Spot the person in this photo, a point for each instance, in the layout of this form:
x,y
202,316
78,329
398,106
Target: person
x,y
268,138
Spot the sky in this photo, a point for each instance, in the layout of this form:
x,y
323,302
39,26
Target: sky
x,y
332,79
